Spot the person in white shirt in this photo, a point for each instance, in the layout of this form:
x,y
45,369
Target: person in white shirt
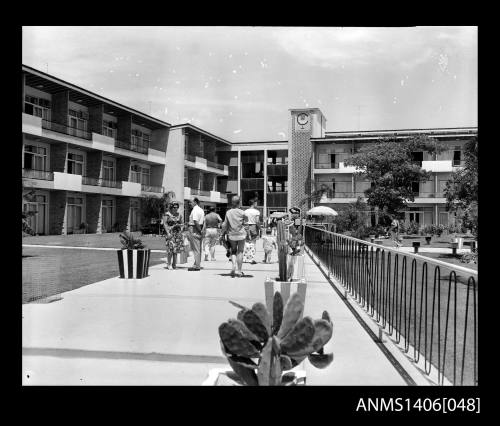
x,y
253,220
196,220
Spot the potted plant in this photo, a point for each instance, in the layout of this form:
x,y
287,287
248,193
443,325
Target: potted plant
x,y
263,347
133,258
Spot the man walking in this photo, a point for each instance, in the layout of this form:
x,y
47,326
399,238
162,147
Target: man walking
x,y
196,220
211,232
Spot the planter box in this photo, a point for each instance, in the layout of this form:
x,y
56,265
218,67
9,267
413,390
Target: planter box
x,y
134,263
285,288
295,267
225,377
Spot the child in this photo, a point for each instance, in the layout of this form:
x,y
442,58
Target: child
x,y
268,242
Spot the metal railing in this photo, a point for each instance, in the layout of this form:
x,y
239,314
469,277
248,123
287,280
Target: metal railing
x,y
151,188
87,180
67,130
425,304
38,174
136,147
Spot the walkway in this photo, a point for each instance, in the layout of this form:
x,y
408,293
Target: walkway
x,y
163,330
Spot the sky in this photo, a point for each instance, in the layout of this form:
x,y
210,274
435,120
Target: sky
x,y
240,82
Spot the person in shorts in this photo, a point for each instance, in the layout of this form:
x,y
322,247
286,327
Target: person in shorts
x,y
268,243
235,227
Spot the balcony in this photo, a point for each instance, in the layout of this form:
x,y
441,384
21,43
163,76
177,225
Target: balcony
x,y
200,163
201,192
252,183
37,174
86,180
333,168
141,148
277,170
152,188
66,130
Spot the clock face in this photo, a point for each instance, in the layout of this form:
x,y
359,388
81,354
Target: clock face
x,y
302,118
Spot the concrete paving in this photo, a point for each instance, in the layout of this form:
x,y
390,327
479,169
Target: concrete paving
x,y
162,330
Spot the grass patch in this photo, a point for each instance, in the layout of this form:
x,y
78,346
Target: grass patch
x,y
48,271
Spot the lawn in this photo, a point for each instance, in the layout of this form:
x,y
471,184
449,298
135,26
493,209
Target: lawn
x,y
50,271
110,240
442,242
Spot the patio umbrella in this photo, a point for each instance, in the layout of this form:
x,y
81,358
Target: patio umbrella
x,y
278,215
322,211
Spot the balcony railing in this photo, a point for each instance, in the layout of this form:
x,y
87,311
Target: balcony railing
x,y
136,147
152,188
215,165
190,157
87,180
252,183
37,174
277,170
457,163
67,130
428,306
195,191
339,194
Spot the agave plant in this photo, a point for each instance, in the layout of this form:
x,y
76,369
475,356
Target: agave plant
x,y
261,348
129,242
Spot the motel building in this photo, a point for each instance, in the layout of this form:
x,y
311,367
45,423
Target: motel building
x,y
91,161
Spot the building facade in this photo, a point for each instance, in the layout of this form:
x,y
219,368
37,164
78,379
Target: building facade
x,y
91,161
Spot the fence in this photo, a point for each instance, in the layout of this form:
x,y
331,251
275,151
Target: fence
x,y
433,313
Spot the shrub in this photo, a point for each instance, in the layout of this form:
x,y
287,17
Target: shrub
x,y
129,242
412,228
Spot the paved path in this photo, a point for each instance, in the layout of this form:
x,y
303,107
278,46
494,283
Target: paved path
x,y
162,330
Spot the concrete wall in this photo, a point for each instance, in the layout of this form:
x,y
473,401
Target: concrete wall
x,y
124,127
123,213
94,164
60,107
58,154
57,213
173,178
96,113
94,213
123,168
159,139
156,177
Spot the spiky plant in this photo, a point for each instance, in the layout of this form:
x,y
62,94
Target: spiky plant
x,y
261,348
129,242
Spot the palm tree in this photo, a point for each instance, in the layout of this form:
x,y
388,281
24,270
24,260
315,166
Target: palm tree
x,y
155,207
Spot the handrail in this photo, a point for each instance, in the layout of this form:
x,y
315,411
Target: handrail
x,y
423,303
395,250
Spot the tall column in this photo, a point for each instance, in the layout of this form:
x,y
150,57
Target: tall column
x,y
239,173
436,214
265,184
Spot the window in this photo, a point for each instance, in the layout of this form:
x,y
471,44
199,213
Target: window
x,y
457,157
35,157
108,170
140,138
38,107
77,121
75,164
140,174
74,213
415,187
109,128
332,161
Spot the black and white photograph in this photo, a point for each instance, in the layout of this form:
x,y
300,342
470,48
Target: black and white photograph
x,y
250,206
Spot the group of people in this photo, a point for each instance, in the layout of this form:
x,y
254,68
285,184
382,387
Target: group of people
x,y
238,233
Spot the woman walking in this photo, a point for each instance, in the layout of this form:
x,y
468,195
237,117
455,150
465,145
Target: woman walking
x,y
172,222
252,215
234,226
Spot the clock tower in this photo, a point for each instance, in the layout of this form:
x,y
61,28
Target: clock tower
x,y
305,123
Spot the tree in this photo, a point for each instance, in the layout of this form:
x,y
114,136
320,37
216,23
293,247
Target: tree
x,y
461,190
392,170
153,208
353,218
26,228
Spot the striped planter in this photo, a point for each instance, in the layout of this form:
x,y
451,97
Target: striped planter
x,y
134,263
